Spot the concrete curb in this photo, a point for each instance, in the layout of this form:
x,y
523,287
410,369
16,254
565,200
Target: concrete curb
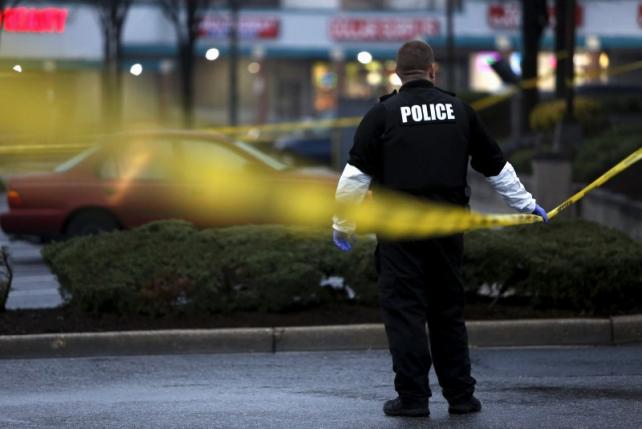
x,y
536,332
547,332
137,342
627,329
316,338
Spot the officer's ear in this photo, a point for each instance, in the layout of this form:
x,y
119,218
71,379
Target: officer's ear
x,y
432,72
398,74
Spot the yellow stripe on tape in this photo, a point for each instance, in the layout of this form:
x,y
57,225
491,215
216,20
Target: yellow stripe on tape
x,y
405,218
44,148
615,170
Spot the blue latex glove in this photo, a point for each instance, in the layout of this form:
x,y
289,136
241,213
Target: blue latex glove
x,y
539,211
341,240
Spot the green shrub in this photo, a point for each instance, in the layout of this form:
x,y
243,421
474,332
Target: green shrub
x,y
170,267
546,115
621,104
598,154
576,265
3,187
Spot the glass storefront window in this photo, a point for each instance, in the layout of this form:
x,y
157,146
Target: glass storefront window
x,y
324,83
589,67
353,79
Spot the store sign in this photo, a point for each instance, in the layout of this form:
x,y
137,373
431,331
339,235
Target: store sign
x,y
504,16
250,27
508,16
382,29
34,20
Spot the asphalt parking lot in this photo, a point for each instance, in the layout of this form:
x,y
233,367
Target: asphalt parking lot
x,y
588,387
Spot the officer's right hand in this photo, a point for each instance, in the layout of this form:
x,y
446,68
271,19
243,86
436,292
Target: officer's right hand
x,y
342,240
539,211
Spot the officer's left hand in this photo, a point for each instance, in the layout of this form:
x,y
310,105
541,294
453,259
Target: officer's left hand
x,y
539,211
342,240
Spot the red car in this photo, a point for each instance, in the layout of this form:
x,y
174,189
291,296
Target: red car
x,y
131,179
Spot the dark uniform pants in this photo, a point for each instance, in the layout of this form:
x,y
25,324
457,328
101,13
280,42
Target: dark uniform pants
x,y
420,282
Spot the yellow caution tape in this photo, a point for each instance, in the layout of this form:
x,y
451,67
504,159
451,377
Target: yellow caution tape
x,y
615,170
43,148
400,217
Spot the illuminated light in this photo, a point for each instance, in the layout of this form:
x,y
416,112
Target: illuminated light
x,y
258,52
17,68
593,43
254,67
34,20
166,66
485,59
374,78
394,79
337,54
212,54
254,133
136,69
603,60
515,61
364,57
581,60
503,43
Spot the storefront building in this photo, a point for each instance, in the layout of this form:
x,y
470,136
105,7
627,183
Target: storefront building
x,y
298,62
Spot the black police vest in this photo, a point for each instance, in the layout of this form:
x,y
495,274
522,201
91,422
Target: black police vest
x,y
424,149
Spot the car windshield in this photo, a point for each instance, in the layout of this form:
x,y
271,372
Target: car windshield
x,y
71,163
262,156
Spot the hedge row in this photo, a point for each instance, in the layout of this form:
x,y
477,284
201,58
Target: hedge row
x,y
548,114
170,267
599,153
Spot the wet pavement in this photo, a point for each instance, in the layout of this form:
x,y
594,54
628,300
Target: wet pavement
x,y
33,286
590,387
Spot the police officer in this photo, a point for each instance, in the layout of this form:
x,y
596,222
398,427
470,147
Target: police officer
x,y
419,142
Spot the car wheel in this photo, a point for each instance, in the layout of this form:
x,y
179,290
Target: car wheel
x,y
91,222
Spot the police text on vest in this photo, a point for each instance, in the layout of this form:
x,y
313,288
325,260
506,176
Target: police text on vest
x,y
433,112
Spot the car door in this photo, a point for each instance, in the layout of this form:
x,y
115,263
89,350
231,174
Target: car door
x,y
223,186
139,178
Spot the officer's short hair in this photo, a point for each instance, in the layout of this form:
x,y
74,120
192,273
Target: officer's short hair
x,y
414,58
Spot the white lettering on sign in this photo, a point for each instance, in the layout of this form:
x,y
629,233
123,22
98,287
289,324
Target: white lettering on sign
x,y
249,28
504,15
382,29
434,112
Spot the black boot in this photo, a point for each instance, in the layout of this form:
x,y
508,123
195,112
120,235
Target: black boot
x,y
465,406
404,408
